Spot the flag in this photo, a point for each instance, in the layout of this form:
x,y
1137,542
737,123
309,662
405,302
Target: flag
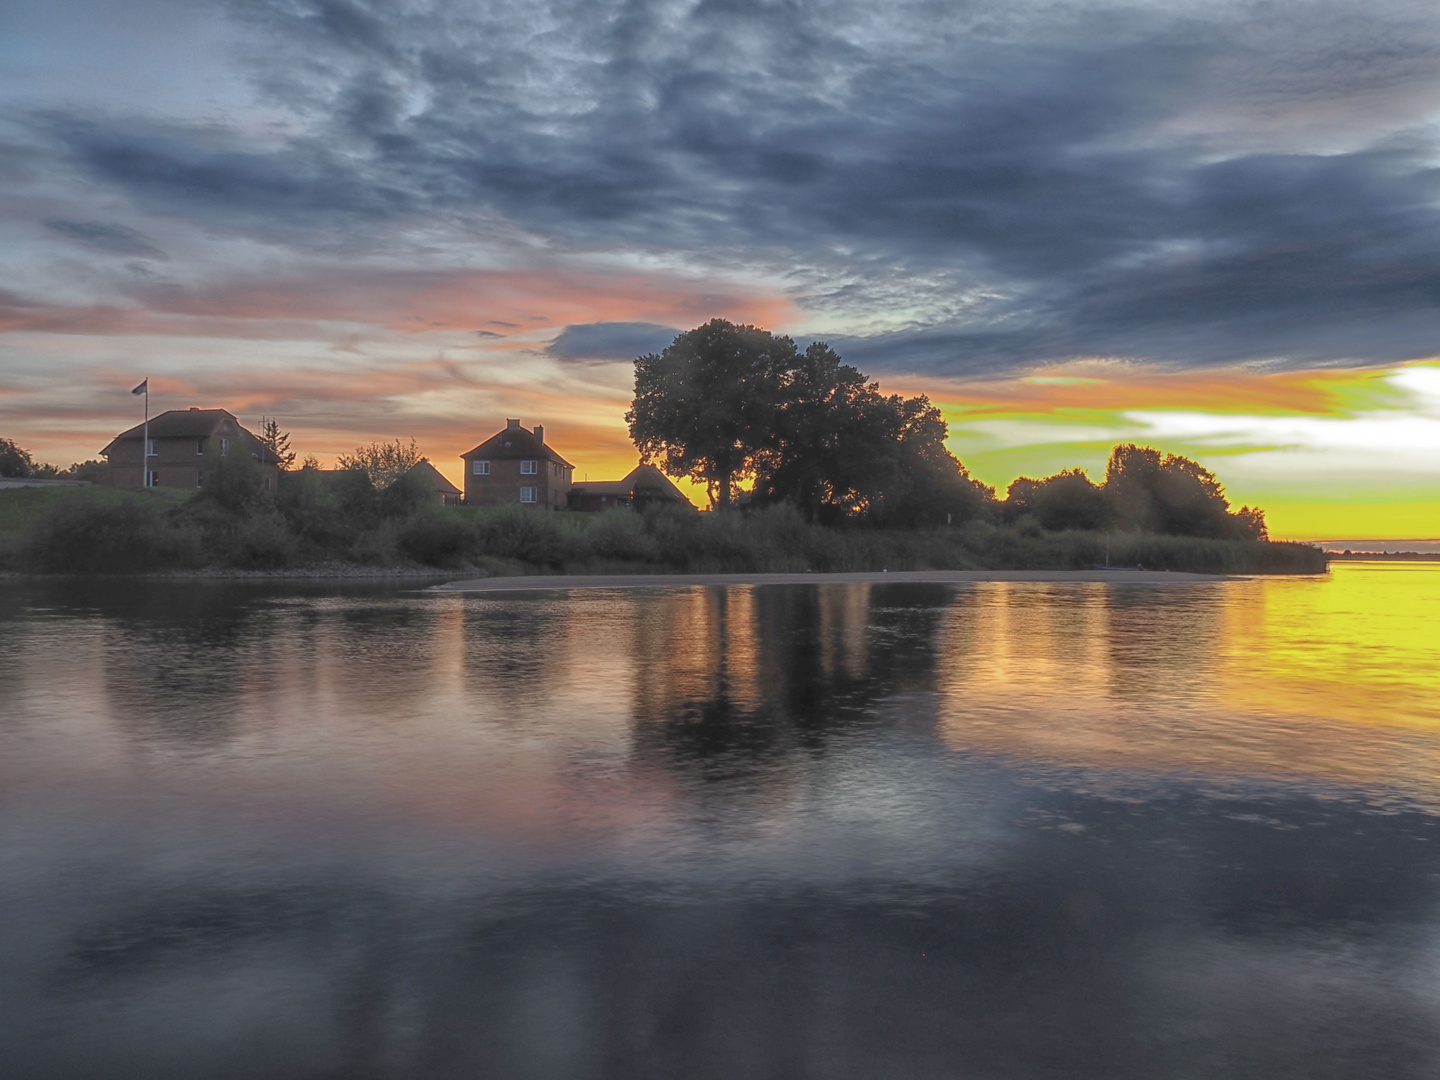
x,y
143,388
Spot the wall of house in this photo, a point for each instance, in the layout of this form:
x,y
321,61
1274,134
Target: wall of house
x,y
502,486
176,463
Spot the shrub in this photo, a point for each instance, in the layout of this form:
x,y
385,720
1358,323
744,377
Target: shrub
x,y
436,539
127,536
528,535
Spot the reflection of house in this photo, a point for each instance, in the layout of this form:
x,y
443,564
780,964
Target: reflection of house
x,y
179,440
645,486
515,466
430,476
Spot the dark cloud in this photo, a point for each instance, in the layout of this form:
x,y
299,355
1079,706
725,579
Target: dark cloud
x,y
1249,185
610,340
109,238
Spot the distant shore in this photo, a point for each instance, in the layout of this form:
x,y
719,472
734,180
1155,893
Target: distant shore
x,y
532,583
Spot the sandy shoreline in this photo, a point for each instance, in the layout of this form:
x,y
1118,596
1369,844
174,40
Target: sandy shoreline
x,y
531,583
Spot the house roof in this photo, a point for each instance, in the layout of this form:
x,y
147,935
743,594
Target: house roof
x,y
652,481
646,480
194,424
619,488
515,442
431,475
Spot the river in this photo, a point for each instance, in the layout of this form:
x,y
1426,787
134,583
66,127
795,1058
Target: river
x,y
997,830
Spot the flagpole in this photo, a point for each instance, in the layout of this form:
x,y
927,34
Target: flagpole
x,y
145,440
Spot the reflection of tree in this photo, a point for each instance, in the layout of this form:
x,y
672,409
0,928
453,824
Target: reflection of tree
x,y
729,683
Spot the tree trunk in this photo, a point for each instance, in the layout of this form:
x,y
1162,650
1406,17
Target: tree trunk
x,y
723,502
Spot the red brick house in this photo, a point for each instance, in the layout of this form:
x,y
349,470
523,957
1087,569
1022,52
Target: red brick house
x,y
179,440
517,467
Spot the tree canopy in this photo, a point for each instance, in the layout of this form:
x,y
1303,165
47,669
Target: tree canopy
x,y
1143,490
382,462
707,406
725,403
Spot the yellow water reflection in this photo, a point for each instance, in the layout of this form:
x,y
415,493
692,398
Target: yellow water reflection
x,y
1336,677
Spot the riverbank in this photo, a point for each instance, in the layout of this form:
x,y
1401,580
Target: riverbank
x,y
533,583
93,531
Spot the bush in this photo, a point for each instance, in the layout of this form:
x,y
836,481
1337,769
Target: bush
x,y
436,539
527,535
128,536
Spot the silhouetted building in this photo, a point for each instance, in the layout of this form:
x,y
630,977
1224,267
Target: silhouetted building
x,y
179,440
644,486
516,466
430,476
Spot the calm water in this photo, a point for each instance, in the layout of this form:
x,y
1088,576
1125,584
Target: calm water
x,y
998,830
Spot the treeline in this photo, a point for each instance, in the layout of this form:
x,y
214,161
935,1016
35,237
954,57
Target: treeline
x,y
727,405
231,523
17,463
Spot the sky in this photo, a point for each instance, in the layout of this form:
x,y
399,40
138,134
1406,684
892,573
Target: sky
x,y
1212,228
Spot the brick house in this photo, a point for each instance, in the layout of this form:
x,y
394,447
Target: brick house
x,y
179,440
515,466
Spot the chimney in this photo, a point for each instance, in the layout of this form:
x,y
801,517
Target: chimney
x,y
540,433
511,425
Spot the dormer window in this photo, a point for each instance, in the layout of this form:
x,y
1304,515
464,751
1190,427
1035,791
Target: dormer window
x,y
529,468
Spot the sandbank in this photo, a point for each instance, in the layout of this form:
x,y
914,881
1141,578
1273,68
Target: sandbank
x,y
531,583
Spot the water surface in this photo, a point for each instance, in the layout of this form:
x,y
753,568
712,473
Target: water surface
x,y
1017,830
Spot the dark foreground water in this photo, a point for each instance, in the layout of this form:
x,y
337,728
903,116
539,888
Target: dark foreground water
x,y
903,832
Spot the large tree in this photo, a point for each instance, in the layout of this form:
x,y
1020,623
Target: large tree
x,y
707,406
1167,493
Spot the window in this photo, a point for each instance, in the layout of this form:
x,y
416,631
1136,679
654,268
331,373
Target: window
x,y
480,468
152,448
529,468
199,478
527,494
224,446
199,447
152,479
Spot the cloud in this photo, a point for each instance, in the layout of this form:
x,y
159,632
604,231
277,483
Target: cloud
x,y
957,190
109,238
610,341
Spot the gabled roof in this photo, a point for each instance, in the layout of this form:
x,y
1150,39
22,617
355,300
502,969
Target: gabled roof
x,y
515,442
618,488
423,470
194,424
645,481
651,481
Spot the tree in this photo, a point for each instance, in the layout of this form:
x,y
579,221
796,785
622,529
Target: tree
x,y
1067,500
831,447
278,441
707,406
382,462
14,461
1173,494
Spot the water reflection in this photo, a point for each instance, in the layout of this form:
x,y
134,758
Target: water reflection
x,y
1023,830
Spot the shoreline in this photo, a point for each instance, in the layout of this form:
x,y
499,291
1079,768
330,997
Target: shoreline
x,y
545,583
